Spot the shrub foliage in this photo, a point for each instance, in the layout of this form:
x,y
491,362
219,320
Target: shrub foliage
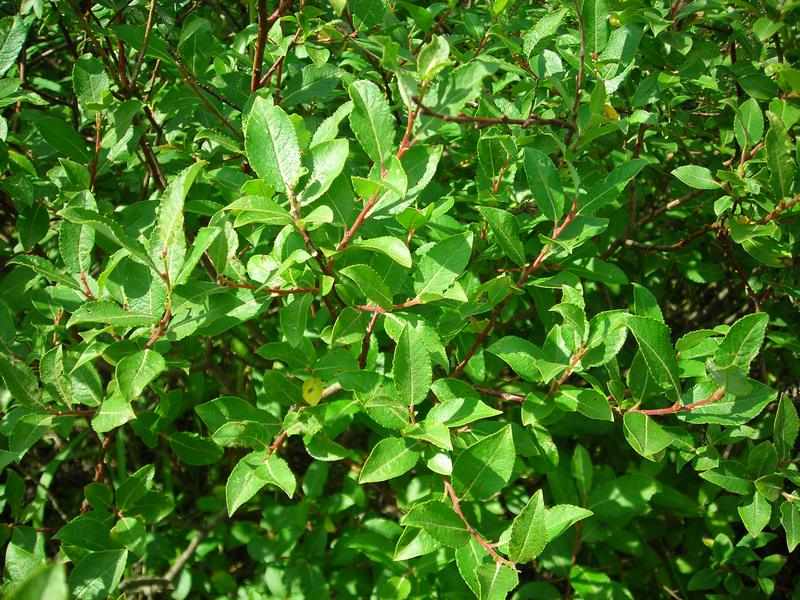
x,y
395,300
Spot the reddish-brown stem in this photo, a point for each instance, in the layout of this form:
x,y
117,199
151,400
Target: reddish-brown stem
x,y
161,327
265,23
565,375
268,75
489,547
99,469
88,412
192,83
268,290
86,291
312,249
482,43
672,247
276,444
98,128
579,79
481,122
153,166
348,235
362,358
148,29
261,42
740,273
781,207
500,394
678,407
381,310
557,231
405,144
436,26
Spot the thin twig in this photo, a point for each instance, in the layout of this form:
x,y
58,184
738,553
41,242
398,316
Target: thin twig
x,y
478,537
265,23
362,358
148,29
781,207
176,567
192,83
543,254
481,122
500,394
678,407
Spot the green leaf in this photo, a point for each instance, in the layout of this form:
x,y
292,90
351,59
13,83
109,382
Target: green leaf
x,y
455,412
755,513
293,318
45,582
329,158
441,265
42,266
544,182
411,368
485,467
13,32
790,519
545,28
91,82
433,57
588,402
390,458
528,531
114,412
595,15
731,409
786,427
89,531
270,141
561,517
696,177
244,481
61,136
257,209
496,581
135,487
521,355
779,160
276,472
748,125
742,342
349,327
194,449
645,303
136,371
390,246
20,380
370,283
505,228
131,533
371,120
731,476
110,230
75,242
645,435
109,313
654,342
96,575
608,189
439,521
582,470
171,245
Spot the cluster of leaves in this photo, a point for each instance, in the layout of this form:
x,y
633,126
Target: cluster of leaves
x,y
395,300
